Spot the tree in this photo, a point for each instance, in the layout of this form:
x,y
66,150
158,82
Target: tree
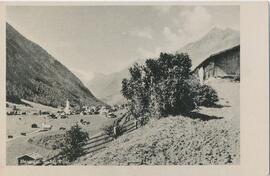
x,y
164,86
74,140
159,86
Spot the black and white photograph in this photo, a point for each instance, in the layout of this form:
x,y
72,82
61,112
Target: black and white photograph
x,y
123,85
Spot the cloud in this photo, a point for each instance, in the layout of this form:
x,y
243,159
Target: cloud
x,y
144,53
175,39
142,33
172,42
169,35
189,26
195,22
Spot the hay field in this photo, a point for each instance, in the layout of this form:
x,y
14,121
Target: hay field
x,y
19,145
205,137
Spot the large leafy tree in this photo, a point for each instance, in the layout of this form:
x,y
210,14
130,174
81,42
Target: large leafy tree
x,y
164,86
159,87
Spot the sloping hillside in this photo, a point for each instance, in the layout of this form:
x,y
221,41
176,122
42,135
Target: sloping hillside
x,y
34,75
107,87
30,107
208,136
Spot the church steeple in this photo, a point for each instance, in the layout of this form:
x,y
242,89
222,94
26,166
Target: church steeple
x,y
67,108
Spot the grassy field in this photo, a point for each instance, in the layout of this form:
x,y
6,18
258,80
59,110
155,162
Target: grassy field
x,y
204,137
19,145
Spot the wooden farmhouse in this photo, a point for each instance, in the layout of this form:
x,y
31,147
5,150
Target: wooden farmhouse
x,y
30,159
224,64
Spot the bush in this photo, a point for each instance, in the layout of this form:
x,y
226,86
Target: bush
x,y
74,140
207,96
203,95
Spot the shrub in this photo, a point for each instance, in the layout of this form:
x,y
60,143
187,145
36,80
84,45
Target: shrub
x,y
74,140
206,96
203,95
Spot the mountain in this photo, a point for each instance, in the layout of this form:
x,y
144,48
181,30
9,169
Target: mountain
x,y
107,87
214,41
33,74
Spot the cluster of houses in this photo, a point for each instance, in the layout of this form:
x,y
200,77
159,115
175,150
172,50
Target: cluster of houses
x,y
13,110
107,111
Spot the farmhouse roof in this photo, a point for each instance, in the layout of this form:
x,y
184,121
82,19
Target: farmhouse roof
x,y
214,56
33,155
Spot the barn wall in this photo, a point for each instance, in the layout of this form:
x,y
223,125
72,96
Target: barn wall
x,y
228,64
219,72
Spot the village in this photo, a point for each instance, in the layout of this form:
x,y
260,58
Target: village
x,y
67,110
26,122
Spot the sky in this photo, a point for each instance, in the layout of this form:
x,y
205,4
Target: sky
x,y
91,40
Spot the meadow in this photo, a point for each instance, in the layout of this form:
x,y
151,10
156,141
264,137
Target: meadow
x,y
19,145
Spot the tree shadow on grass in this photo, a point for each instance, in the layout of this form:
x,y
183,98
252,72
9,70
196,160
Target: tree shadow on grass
x,y
203,117
217,106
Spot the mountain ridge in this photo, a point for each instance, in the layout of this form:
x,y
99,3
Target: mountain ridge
x,y
35,75
217,39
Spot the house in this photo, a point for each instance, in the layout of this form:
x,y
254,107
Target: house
x,y
46,127
30,159
224,64
104,111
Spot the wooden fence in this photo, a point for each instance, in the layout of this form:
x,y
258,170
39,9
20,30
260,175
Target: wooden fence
x,y
99,141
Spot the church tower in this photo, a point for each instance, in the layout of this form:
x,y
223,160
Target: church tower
x,y
67,108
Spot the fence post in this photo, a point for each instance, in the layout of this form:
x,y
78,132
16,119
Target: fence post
x,y
141,121
136,123
115,131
